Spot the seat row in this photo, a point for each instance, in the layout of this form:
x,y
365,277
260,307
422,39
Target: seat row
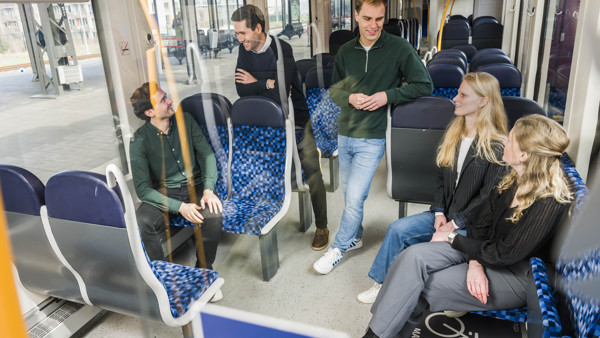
x,y
485,32
78,239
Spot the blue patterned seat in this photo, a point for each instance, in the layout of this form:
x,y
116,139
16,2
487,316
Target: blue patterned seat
x,y
324,112
260,174
211,111
446,79
102,243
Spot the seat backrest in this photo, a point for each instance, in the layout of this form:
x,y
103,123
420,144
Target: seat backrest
x,y
508,76
486,59
338,38
446,79
415,130
323,111
457,17
24,204
303,66
324,59
486,51
468,49
211,111
517,107
483,18
87,218
448,60
392,28
455,33
259,149
445,53
487,35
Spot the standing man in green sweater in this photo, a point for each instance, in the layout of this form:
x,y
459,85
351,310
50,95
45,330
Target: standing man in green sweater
x,y
367,76
162,182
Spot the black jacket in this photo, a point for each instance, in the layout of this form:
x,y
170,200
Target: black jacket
x,y
478,177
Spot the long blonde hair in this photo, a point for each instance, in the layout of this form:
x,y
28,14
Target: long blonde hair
x,y
545,141
490,127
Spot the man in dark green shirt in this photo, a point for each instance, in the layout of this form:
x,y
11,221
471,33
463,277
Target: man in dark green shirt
x,y
162,182
367,76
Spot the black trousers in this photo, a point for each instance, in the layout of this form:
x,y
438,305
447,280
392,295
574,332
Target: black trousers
x,y
311,165
151,221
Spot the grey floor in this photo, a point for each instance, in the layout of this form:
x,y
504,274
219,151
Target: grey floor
x,y
76,131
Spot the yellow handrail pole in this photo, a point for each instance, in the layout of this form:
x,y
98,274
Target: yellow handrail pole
x,y
415,7
439,44
452,7
11,321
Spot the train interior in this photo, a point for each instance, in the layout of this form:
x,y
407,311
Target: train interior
x,y
68,69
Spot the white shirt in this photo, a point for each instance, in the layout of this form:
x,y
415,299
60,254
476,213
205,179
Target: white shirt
x,y
265,46
465,144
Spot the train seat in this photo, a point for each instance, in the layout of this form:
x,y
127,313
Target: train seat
x,y
338,38
517,107
508,76
211,112
485,59
455,33
446,79
448,60
303,66
95,226
487,35
324,59
260,174
487,51
323,115
414,131
468,49
40,264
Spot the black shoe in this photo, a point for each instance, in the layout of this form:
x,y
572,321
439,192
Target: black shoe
x,y
370,334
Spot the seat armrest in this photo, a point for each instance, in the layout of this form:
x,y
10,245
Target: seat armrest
x,y
550,320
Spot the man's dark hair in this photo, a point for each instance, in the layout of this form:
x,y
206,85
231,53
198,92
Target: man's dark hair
x,y
251,14
358,4
140,100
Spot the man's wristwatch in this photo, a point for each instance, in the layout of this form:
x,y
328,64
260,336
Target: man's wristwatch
x,y
451,237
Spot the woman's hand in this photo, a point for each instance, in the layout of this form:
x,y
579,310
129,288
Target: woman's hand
x,y
477,281
439,221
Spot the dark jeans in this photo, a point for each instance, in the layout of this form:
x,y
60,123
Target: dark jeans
x,y
151,221
311,165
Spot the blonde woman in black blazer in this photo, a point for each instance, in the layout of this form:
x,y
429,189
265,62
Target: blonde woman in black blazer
x,y
486,269
469,167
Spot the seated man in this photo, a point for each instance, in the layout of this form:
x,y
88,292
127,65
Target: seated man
x,y
257,74
162,182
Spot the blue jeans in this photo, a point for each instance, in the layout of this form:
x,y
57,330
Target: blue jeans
x,y
401,234
359,159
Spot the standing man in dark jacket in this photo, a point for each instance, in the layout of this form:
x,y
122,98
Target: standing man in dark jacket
x,y
367,76
257,74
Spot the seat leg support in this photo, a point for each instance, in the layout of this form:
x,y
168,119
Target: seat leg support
x,y
188,332
305,210
269,254
402,209
334,174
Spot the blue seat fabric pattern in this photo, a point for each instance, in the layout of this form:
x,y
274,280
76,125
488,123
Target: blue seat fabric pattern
x,y
514,315
222,156
551,322
445,92
183,284
257,172
324,114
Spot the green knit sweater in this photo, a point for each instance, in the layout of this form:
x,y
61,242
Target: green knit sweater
x,y
391,61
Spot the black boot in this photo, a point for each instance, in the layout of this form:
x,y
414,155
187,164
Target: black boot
x,y
370,334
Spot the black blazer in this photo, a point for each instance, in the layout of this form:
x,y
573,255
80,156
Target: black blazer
x,y
460,202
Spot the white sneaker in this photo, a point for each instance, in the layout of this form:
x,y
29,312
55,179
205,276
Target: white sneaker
x,y
369,296
325,264
356,244
217,296
454,314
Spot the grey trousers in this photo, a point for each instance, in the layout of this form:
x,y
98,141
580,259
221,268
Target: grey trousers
x,y
434,276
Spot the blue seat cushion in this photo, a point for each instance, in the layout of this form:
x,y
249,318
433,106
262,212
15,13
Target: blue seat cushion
x,y
248,216
324,115
183,284
514,315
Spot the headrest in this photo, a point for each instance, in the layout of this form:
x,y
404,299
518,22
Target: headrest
x,y
451,52
481,20
487,30
318,77
427,112
341,36
446,76
392,28
82,196
517,107
468,49
456,30
448,60
486,51
199,105
507,74
486,59
257,111
324,59
22,191
457,17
